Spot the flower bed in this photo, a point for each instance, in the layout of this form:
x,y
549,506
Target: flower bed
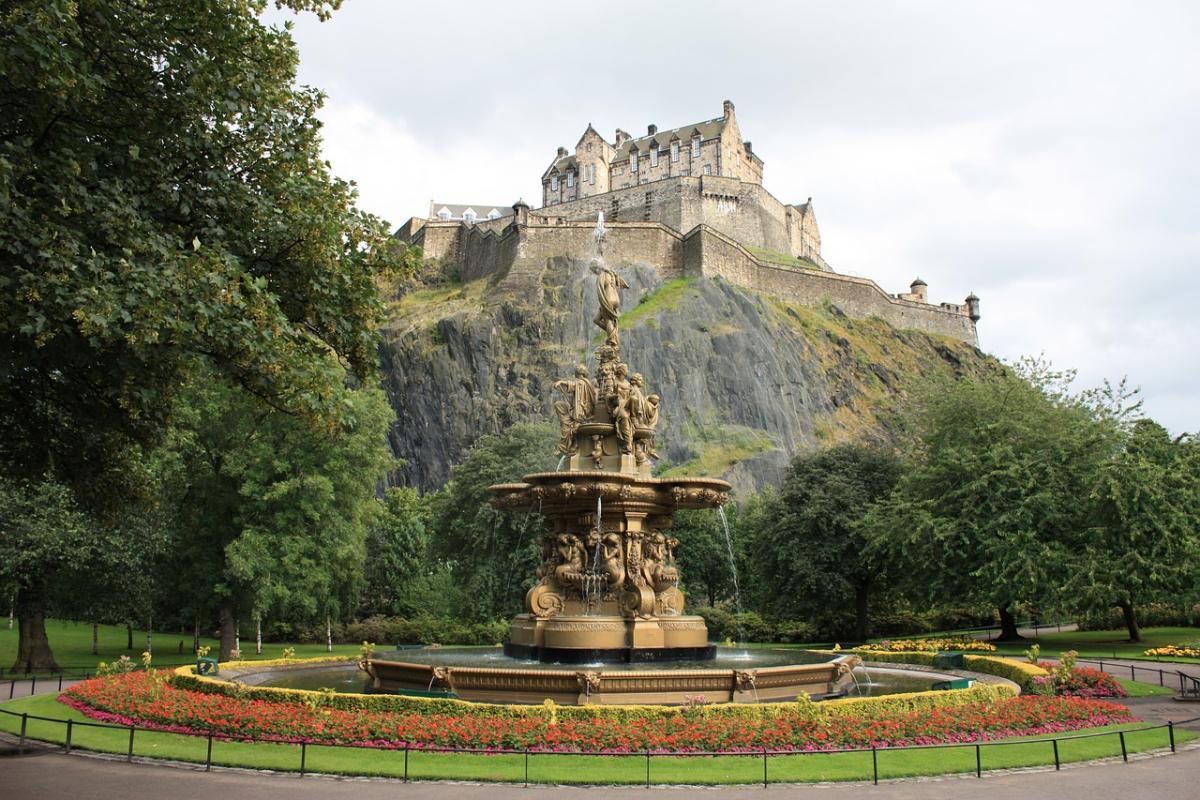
x,y
139,699
1068,680
1175,651
927,646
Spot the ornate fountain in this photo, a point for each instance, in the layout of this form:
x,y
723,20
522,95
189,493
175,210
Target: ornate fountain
x,y
607,590
608,587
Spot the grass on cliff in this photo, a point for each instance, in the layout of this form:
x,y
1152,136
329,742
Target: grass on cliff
x,y
572,769
420,308
867,361
666,298
719,447
776,257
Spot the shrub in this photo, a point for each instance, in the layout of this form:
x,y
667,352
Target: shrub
x,y
1150,615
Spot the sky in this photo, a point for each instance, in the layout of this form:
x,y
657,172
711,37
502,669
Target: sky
x,y
1044,155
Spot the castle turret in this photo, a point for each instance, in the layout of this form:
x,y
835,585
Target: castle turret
x,y
973,307
919,290
727,108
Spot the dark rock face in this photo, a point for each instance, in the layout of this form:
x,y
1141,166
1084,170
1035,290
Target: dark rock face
x,y
746,380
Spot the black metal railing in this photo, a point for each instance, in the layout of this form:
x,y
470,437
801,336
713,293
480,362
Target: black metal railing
x,y
763,754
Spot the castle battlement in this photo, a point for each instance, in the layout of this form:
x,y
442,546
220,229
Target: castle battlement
x,y
719,223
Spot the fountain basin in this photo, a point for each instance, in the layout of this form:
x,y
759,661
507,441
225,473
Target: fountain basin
x,y
749,678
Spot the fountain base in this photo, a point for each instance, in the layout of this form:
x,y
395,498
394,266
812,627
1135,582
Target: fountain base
x,y
582,639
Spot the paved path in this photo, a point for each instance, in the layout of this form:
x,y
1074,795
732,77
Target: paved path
x,y
52,775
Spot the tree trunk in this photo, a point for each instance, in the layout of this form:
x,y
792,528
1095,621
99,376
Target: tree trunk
x,y
196,636
328,633
258,636
860,613
33,646
95,638
1131,623
150,635
1008,626
228,630
128,636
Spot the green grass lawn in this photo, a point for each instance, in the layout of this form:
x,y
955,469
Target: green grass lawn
x,y
1031,751
1106,644
1140,689
72,646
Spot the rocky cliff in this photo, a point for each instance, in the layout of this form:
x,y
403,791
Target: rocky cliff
x,y
746,380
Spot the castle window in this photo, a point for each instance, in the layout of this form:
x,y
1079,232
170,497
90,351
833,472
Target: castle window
x,y
708,169
591,173
493,214
570,179
633,159
444,214
695,147
554,184
674,151
469,216
654,156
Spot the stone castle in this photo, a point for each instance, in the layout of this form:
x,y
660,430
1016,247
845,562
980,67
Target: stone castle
x,y
688,201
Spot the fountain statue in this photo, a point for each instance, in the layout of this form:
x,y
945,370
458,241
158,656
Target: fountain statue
x,y
608,587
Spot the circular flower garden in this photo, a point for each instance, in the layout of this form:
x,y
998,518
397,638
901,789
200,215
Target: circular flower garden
x,y
983,713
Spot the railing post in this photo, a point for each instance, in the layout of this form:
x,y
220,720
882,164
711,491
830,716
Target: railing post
x,y
303,757
406,762
764,767
1056,761
526,767
1171,734
1124,753
12,687
874,765
978,763
70,725
208,758
60,681
33,686
129,755
25,721
647,769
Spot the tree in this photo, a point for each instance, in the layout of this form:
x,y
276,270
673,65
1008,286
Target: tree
x,y
493,555
814,552
396,558
996,479
272,515
1142,543
164,207
47,540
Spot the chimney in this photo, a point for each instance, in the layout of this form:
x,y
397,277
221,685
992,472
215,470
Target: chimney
x,y
728,108
622,137
651,129
749,147
562,152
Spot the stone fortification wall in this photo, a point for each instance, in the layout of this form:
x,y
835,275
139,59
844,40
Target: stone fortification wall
x,y
742,210
517,257
712,254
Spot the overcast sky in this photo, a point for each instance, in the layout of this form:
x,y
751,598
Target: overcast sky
x,y
1045,155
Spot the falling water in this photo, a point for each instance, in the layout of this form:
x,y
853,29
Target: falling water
x,y
598,232
737,593
560,463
